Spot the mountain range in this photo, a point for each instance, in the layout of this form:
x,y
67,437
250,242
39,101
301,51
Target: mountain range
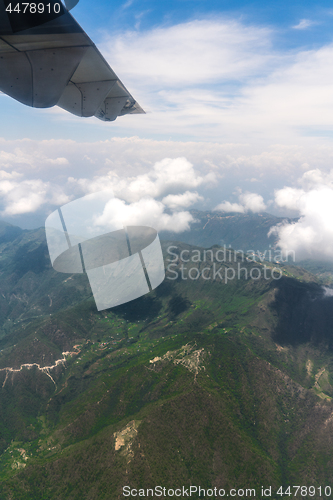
x,y
206,381
239,231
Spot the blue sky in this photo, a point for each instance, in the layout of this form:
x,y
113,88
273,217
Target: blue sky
x,y
104,19
282,15
152,13
240,91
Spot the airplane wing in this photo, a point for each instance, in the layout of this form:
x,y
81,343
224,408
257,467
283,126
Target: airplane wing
x,y
46,59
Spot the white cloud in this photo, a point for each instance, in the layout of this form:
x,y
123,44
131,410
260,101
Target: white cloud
x,y
312,235
127,4
132,156
166,176
24,197
135,202
32,156
146,212
224,80
9,175
249,202
133,168
192,53
226,206
57,161
290,198
186,199
315,178
252,202
133,198
303,24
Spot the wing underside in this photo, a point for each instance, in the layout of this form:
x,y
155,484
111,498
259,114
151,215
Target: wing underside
x,y
55,63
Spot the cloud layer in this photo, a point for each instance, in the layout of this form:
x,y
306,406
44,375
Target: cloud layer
x,y
156,198
234,113
224,79
166,176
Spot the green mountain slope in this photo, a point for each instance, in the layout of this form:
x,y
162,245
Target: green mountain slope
x,y
213,382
